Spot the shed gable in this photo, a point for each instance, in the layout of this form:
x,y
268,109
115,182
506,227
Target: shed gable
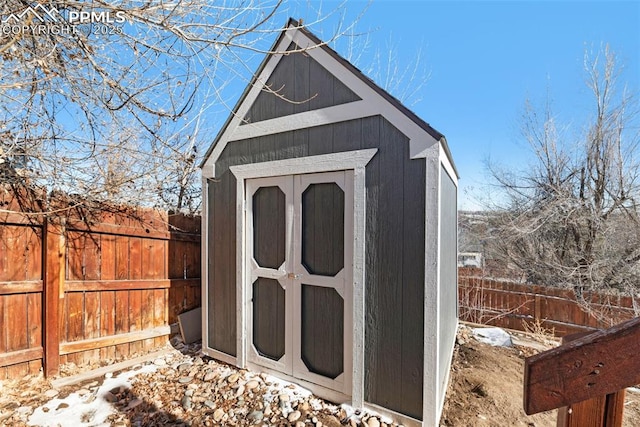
x,y
298,84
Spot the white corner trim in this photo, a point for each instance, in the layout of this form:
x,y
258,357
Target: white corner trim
x,y
431,389
372,103
444,159
300,165
358,294
204,251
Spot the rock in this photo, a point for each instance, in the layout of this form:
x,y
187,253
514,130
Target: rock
x,y
50,394
256,416
239,390
233,378
82,391
185,380
186,403
109,397
134,403
373,422
218,414
209,376
294,416
300,424
160,362
184,366
252,384
62,406
283,397
210,404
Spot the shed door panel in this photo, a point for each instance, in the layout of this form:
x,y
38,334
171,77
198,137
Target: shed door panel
x,y
299,248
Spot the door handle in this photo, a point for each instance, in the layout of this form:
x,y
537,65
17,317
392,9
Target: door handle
x,y
293,276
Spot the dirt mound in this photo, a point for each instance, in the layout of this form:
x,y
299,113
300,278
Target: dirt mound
x,y
486,387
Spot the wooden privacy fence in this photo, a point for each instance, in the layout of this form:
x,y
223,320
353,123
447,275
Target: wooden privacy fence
x,y
81,289
516,306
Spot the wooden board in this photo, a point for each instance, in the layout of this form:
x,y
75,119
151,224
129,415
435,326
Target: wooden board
x,y
190,323
595,365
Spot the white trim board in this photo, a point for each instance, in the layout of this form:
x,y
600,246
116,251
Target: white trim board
x,y
311,164
370,103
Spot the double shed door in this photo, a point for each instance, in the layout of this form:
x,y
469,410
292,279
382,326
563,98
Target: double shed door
x,y
299,233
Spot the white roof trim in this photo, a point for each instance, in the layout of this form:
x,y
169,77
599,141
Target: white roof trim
x,y
371,103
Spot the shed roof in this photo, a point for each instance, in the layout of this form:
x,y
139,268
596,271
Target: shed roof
x,y
319,44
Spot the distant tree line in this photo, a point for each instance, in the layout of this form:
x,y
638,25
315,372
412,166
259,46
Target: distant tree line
x,y
572,218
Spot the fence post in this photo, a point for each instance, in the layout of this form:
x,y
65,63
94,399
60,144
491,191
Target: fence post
x,y
53,286
536,310
598,411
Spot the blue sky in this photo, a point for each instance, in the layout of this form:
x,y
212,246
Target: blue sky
x,y
483,59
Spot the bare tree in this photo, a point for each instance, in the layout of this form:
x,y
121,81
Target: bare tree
x,y
572,219
112,99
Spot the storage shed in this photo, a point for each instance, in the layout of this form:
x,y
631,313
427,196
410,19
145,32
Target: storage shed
x,y
330,227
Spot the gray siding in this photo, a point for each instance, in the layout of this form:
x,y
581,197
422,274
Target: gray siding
x,y
448,272
394,290
394,249
221,278
302,85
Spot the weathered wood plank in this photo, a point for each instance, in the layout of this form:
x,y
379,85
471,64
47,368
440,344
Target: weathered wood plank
x,y
75,322
25,287
147,312
75,261
107,322
91,321
20,356
107,257
614,409
53,280
18,261
100,372
34,253
133,231
91,256
34,319
116,285
122,257
135,258
598,364
122,321
3,321
160,304
17,322
119,339
135,317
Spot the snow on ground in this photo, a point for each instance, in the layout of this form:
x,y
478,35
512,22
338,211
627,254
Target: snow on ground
x,y
84,407
493,336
